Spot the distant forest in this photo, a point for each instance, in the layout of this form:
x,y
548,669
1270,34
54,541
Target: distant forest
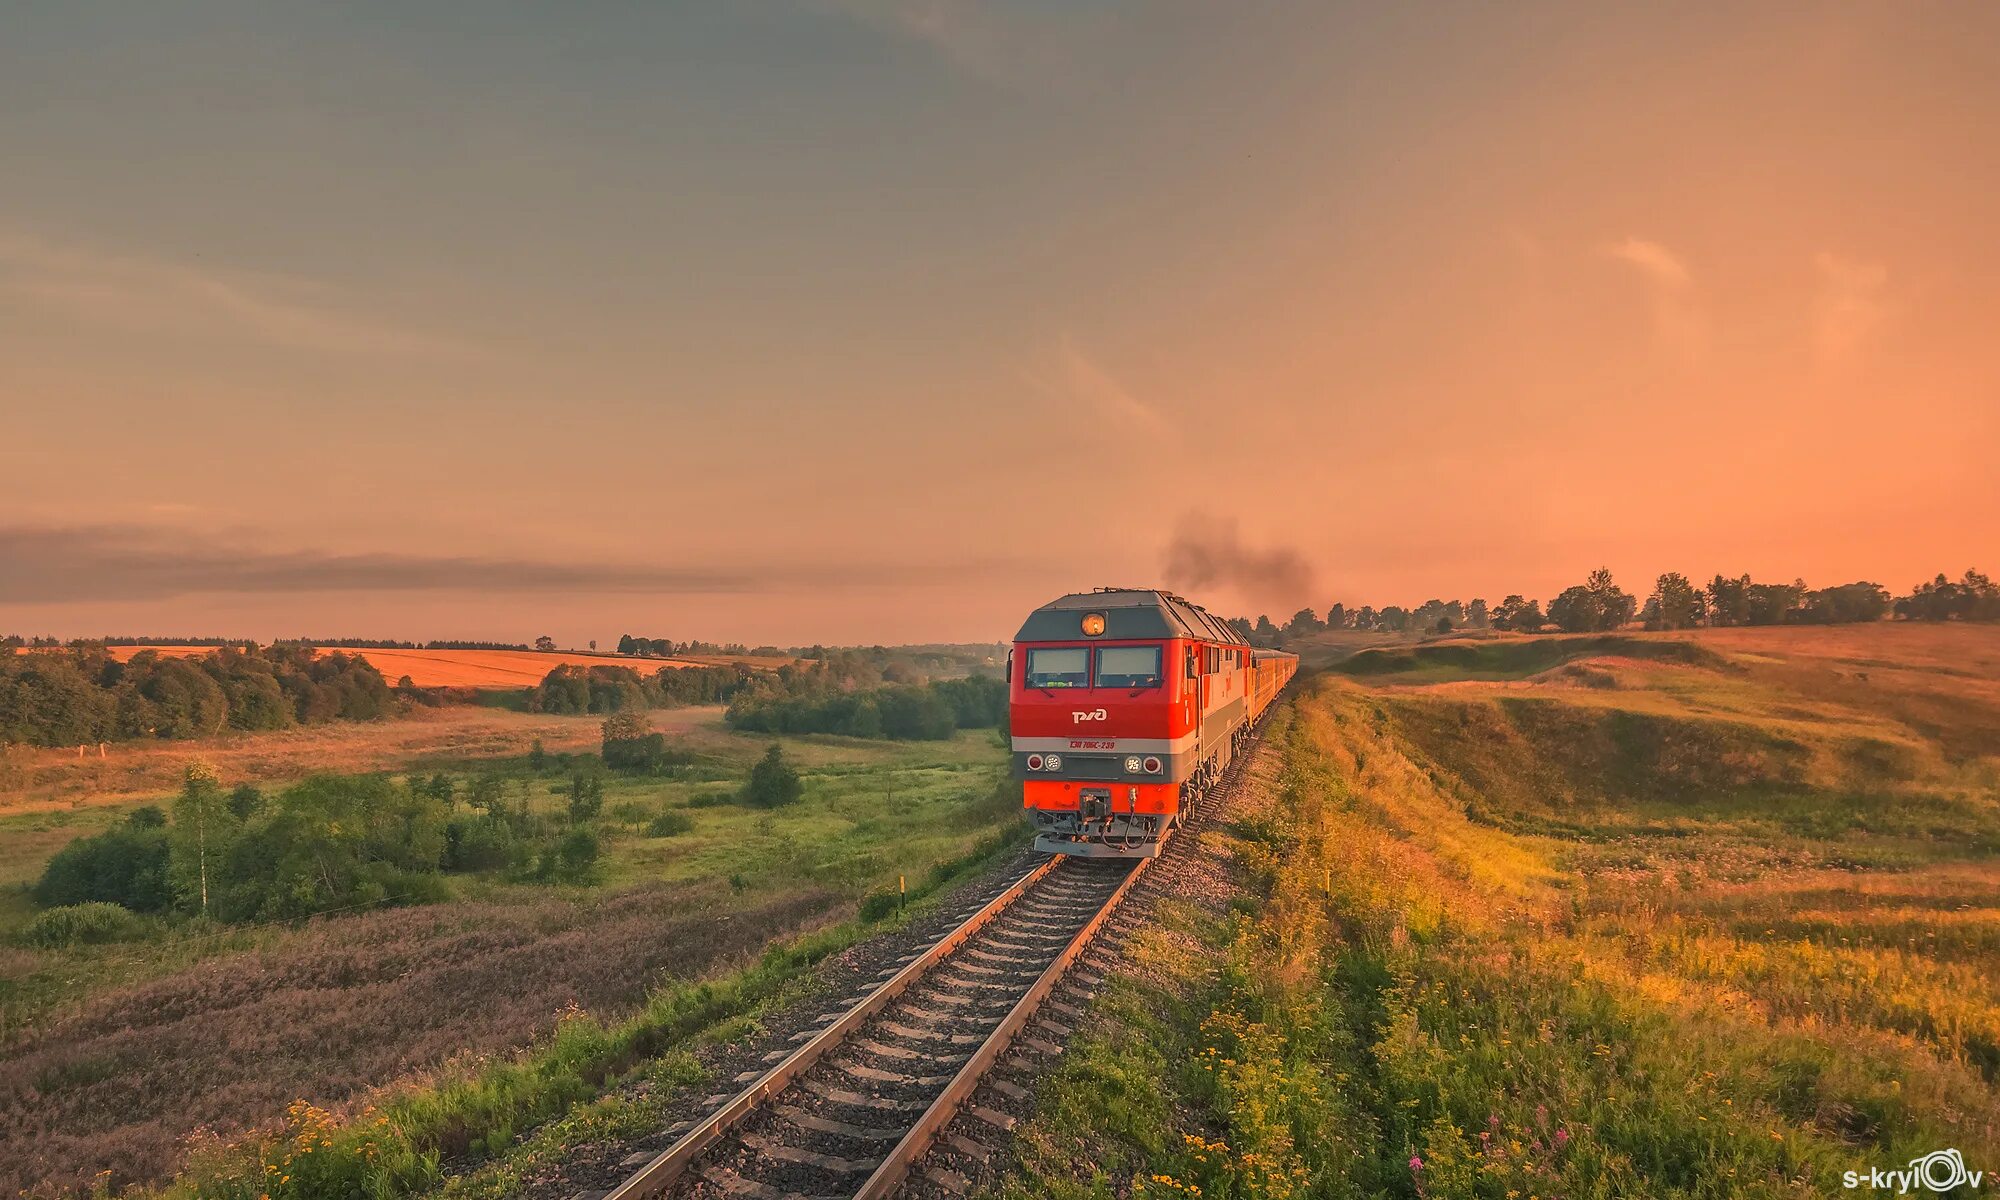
x,y
80,694
861,693
339,643
1676,602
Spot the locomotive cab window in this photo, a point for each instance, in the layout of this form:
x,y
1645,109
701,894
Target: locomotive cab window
x,y
1058,667
1128,666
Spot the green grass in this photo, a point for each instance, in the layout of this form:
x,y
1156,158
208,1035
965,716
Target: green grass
x,y
872,810
1545,943
1513,658
504,1117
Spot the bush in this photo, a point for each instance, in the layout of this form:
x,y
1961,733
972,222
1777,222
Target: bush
x,y
124,866
647,752
669,824
572,859
773,782
879,904
482,843
83,924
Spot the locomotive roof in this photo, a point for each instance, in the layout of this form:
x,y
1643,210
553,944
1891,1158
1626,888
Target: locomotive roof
x,y
1128,613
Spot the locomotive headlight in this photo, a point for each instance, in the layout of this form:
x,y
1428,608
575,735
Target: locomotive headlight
x,y
1152,766
1053,762
1034,762
1132,765
1093,624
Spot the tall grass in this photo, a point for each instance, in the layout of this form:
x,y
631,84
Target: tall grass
x,y
1469,965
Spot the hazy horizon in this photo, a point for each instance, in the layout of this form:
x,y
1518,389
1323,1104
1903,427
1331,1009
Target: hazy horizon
x,y
800,321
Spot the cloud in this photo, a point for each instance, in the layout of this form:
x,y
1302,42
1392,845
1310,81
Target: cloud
x,y
1209,551
1075,379
991,42
1679,320
52,565
1652,258
1848,308
162,295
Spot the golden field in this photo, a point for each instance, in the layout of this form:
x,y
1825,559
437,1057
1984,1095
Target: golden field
x,y
475,668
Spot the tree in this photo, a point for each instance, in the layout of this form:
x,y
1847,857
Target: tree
x,y
593,645
1845,604
538,757
1729,600
1336,617
575,856
203,831
1975,597
1573,611
633,813
626,725
1477,615
1266,634
245,803
1675,603
1595,606
773,782
1774,603
487,793
1304,623
586,797
545,643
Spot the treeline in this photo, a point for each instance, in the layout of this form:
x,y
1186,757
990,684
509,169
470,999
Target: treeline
x,y
1675,602
580,689
907,712
669,648
328,843
337,643
80,694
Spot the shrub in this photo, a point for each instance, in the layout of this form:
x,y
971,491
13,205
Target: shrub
x,y
125,866
482,843
669,824
83,924
572,859
773,782
646,752
879,903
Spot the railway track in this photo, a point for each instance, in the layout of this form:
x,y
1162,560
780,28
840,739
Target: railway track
x,y
857,1105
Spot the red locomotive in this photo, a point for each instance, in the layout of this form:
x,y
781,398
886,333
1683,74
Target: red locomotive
x,y
1127,703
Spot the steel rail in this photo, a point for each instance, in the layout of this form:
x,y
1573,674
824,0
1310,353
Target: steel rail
x,y
659,1174
895,1167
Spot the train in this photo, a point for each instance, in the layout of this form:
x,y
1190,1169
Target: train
x,y
1126,705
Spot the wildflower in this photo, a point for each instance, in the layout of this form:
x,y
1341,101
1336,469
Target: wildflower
x,y
1416,1164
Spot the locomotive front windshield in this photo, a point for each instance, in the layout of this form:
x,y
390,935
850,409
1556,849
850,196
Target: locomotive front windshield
x,y
1128,666
1058,667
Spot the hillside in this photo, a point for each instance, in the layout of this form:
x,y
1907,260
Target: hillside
x,y
1669,915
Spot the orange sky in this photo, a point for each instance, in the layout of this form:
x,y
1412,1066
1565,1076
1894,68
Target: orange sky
x,y
833,320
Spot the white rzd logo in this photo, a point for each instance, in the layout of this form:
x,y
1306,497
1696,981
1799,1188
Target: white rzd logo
x,y
1938,1171
1095,714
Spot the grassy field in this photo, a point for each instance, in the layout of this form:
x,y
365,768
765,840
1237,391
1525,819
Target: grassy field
x,y
54,782
346,1010
1684,915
